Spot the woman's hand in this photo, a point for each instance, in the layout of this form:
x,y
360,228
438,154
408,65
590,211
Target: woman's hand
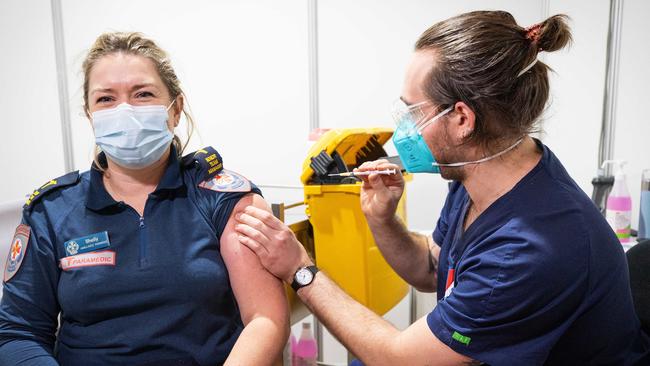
x,y
274,243
380,193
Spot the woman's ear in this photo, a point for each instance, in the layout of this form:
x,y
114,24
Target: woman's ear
x,y
88,115
177,109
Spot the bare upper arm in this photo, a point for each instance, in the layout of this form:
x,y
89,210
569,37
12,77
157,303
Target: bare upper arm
x,y
252,285
417,345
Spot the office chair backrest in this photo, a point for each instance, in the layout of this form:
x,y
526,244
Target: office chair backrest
x,y
638,260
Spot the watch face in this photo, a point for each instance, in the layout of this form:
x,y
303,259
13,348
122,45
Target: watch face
x,y
304,276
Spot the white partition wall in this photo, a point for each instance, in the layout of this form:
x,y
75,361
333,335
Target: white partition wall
x,y
31,151
632,121
243,65
574,116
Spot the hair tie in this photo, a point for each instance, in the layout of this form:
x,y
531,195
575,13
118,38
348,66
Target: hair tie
x,y
533,32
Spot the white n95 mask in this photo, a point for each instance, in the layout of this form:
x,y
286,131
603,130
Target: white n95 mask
x,y
133,137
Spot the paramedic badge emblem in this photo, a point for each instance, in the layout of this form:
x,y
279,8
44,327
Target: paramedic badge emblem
x,y
72,247
227,181
17,251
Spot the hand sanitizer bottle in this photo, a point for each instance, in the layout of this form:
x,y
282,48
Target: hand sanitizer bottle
x,y
619,203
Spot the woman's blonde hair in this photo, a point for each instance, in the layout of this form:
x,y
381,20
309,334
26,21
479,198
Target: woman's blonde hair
x,y
135,43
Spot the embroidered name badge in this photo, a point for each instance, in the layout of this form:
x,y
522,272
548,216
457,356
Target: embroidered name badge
x,y
103,258
88,243
17,251
227,181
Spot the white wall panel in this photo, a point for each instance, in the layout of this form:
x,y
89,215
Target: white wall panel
x,y
632,134
365,46
31,147
243,65
574,116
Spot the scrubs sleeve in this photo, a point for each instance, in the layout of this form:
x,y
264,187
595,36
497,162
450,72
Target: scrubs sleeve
x,y
29,307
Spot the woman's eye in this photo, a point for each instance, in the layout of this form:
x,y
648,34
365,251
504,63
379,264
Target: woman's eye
x,y
144,94
104,99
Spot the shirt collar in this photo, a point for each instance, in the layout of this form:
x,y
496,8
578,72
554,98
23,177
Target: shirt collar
x,y
98,197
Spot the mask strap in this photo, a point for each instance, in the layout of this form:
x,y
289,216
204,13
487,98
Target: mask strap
x,y
530,65
435,118
481,160
170,105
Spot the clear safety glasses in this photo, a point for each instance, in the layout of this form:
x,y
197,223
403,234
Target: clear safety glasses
x,y
414,114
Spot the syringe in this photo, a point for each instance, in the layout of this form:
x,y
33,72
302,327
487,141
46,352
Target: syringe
x,y
367,172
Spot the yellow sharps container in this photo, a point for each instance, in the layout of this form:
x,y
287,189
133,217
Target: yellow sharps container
x,y
343,244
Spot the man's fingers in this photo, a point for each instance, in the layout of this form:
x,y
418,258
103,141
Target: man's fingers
x,y
255,223
265,217
256,247
372,165
384,165
252,233
376,181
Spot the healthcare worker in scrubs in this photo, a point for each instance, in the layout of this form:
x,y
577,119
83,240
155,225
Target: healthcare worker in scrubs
x,y
526,269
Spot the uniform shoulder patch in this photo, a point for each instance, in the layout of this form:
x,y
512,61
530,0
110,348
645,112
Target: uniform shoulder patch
x,y
227,181
65,180
207,160
17,251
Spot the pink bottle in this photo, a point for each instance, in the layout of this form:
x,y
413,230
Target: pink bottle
x,y
306,350
619,204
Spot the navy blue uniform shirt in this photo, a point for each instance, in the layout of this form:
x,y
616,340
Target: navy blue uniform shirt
x,y
130,290
539,278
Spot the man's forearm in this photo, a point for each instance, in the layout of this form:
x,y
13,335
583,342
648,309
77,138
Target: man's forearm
x,y
364,333
371,338
408,253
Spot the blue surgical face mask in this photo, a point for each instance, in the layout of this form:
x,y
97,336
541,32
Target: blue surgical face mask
x,y
133,137
411,147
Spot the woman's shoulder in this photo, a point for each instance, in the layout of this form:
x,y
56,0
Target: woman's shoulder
x,y
59,192
214,190
205,172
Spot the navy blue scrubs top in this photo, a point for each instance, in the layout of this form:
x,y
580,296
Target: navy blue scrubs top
x,y
158,293
539,278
